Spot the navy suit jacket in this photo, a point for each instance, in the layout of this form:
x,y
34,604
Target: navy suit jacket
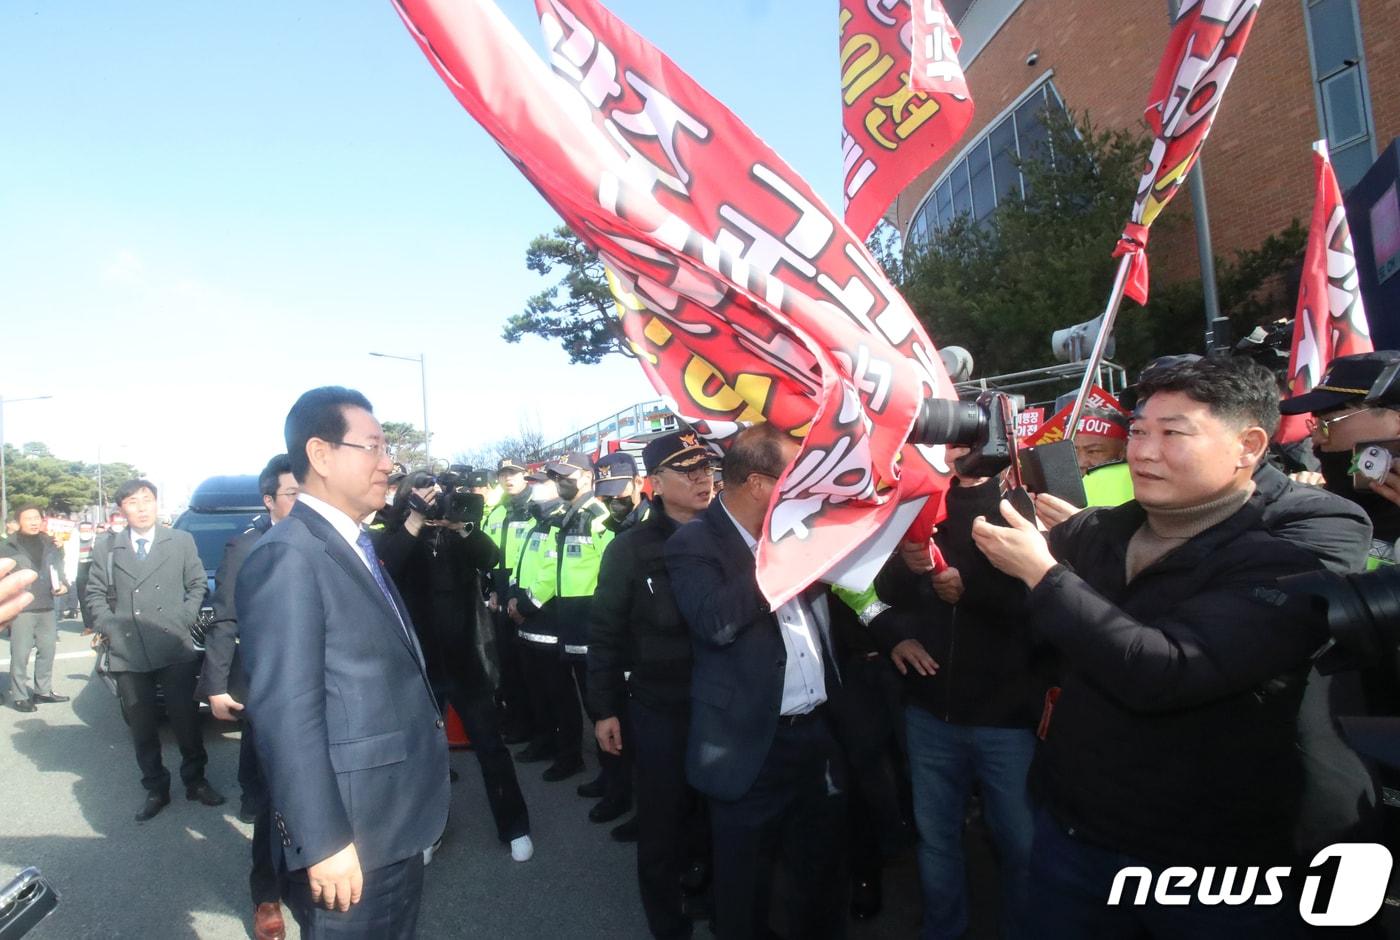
x,y
346,727
736,681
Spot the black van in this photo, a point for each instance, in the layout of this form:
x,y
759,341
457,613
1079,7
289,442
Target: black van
x,y
220,509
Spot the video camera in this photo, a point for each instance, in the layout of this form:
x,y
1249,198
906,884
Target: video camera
x,y
455,502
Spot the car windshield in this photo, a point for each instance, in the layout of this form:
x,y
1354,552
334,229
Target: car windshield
x,y
212,531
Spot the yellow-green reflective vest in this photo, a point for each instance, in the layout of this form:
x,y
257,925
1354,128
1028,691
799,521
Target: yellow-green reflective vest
x,y
866,604
535,571
580,558
1109,485
508,536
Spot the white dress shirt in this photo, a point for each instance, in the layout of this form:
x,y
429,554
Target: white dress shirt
x,y
346,527
804,682
149,536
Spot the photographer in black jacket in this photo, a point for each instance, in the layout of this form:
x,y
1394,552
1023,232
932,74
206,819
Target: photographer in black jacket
x,y
637,629
1173,739
960,638
436,564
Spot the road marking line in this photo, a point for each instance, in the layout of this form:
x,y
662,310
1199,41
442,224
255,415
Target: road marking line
x,y
5,663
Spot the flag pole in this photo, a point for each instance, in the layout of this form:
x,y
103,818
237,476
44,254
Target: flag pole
x,y
1196,185
1110,314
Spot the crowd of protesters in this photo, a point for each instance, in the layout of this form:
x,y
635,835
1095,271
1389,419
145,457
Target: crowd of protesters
x,y
1125,686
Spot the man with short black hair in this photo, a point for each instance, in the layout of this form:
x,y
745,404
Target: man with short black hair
x,y
1172,740
223,682
36,629
347,730
145,589
760,746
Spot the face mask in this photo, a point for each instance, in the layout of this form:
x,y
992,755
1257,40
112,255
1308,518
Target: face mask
x,y
568,489
620,508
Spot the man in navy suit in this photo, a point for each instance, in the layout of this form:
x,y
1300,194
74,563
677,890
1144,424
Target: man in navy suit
x,y
760,746
345,723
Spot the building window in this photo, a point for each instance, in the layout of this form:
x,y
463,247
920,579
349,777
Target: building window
x,y
988,171
1343,99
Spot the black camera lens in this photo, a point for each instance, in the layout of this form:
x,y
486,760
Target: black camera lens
x,y
1363,610
963,423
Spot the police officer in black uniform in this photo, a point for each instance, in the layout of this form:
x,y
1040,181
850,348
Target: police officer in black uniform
x,y
638,630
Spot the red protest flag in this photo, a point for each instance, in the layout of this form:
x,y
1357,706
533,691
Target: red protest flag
x,y
1330,320
904,99
1202,54
744,297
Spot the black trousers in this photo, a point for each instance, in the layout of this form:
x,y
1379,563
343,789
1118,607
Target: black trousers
x,y
388,908
616,770
558,721
264,880
137,691
666,813
793,813
869,727
512,693
503,794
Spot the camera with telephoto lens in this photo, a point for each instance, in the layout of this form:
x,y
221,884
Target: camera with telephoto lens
x,y
455,502
984,425
1363,620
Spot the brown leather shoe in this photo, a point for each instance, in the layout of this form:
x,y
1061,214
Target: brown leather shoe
x,y
268,923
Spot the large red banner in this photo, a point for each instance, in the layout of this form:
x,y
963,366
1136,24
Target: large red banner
x,y
1202,54
904,99
744,297
1330,320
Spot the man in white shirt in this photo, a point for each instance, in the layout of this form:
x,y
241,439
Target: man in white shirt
x,y
346,727
760,747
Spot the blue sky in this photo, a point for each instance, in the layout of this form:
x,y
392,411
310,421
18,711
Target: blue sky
x,y
207,208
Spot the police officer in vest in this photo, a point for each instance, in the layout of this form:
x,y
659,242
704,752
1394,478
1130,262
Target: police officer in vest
x,y
507,524
533,617
564,586
618,487
639,674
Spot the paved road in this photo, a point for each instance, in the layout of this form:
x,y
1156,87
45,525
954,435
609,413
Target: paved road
x,y
70,787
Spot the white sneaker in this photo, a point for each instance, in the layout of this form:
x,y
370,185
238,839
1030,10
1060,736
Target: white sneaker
x,y
522,849
430,851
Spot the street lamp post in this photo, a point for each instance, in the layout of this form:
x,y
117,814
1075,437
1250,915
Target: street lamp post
x,y
423,375
4,489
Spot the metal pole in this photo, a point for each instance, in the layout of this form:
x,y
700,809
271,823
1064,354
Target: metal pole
x,y
101,491
1091,370
4,492
427,438
1195,181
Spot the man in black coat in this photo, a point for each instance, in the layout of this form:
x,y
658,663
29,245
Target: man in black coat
x,y
1183,666
960,638
760,748
223,682
639,666
436,564
145,589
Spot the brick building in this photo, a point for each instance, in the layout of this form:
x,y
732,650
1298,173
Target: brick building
x,y
1312,68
